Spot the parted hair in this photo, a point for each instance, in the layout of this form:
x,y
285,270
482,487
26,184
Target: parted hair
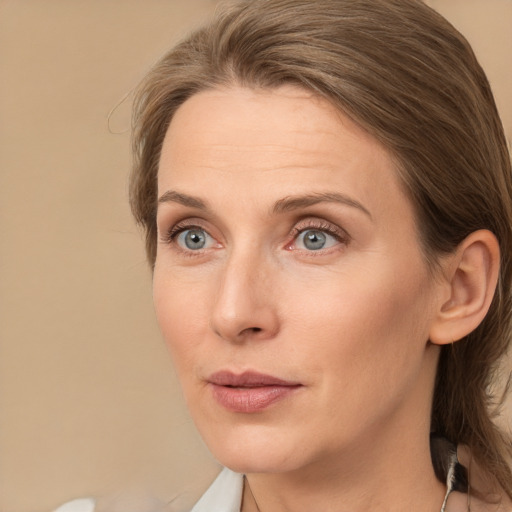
x,y
408,77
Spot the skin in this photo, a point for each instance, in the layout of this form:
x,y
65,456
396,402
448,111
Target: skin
x,y
350,322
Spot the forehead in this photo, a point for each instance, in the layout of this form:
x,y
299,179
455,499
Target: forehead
x,y
250,138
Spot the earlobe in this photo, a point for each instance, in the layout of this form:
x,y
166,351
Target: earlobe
x,y
470,276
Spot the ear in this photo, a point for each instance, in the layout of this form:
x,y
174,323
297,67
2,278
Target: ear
x,y
468,283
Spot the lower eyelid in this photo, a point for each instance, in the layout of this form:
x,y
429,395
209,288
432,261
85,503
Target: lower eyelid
x,y
331,242
340,242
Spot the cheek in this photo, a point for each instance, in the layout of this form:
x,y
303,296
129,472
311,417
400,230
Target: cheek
x,y
363,322
181,315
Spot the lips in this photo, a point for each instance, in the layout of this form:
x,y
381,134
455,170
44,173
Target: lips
x,y
249,392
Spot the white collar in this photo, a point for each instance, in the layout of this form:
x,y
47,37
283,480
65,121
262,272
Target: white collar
x,y
224,495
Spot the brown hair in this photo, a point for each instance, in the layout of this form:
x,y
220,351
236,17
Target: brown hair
x,y
410,79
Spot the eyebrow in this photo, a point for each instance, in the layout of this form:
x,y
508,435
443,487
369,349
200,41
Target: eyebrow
x,y
286,204
295,202
171,196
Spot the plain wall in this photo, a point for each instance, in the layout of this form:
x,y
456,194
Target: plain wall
x,y
89,404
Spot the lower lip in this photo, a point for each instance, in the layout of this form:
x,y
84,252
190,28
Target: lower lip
x,y
250,400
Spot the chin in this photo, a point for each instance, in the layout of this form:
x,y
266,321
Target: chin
x,y
266,462
253,451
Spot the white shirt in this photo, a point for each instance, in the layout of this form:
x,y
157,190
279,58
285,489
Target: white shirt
x,y
80,505
224,495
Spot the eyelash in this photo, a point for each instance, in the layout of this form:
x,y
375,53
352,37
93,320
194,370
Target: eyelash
x,y
169,236
337,233
340,235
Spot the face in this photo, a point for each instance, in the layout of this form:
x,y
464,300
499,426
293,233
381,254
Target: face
x,y
289,281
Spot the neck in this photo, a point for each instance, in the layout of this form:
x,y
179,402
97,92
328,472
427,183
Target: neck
x,y
347,485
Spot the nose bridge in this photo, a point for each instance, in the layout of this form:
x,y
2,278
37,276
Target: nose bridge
x,y
244,307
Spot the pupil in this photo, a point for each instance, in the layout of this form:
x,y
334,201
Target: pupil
x,y
314,240
195,239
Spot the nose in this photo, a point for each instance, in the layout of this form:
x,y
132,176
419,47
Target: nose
x,y
245,306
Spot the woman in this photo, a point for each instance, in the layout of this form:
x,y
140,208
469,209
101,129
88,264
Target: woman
x,y
325,189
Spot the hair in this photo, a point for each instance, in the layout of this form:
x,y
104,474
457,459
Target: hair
x,y
409,78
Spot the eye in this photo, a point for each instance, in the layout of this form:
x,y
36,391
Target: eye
x,y
194,239
315,240
315,235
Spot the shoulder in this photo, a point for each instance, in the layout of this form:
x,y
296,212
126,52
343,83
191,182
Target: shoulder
x,y
224,495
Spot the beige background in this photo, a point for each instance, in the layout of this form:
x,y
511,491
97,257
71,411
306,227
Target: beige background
x,y
89,403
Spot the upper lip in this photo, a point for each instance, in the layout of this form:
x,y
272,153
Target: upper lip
x,y
248,379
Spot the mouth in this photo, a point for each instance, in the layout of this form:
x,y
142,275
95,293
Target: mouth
x,y
249,392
